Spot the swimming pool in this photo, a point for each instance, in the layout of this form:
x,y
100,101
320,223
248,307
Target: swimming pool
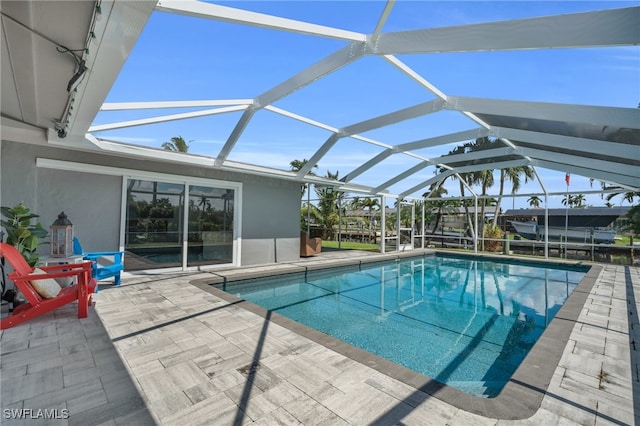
x,y
466,322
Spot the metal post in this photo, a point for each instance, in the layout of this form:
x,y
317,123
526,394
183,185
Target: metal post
x,y
507,248
413,221
423,218
339,221
308,185
475,245
546,226
566,219
546,215
398,224
383,224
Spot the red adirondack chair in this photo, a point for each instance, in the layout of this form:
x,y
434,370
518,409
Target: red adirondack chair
x,y
22,276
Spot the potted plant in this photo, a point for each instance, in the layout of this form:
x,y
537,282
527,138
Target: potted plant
x,y
22,233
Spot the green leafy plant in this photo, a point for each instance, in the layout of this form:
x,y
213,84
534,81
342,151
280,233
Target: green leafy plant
x,y
21,232
493,233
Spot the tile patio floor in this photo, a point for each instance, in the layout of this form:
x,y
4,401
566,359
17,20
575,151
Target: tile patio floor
x,y
158,350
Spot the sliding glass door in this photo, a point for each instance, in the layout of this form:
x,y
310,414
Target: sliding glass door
x,y
165,231
153,236
210,229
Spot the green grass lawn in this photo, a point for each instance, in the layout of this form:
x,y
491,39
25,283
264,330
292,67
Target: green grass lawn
x,y
625,240
346,245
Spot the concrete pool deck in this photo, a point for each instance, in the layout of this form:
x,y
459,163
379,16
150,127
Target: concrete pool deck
x,y
165,349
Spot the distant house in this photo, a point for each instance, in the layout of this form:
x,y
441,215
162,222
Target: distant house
x,y
588,217
458,219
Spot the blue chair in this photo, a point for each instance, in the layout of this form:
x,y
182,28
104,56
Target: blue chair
x,y
101,271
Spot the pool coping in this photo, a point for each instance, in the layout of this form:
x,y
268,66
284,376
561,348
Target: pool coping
x,y
520,398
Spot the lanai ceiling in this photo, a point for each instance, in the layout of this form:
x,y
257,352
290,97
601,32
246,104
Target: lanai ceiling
x,y
60,60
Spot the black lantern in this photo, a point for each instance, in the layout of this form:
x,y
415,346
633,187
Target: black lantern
x,y
61,233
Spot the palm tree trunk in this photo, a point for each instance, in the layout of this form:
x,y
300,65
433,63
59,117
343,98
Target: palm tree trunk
x,y
495,216
466,209
482,213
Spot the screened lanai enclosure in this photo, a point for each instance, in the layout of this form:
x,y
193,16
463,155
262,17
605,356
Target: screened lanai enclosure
x,y
406,124
588,233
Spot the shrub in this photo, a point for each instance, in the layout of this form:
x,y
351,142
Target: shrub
x,y
493,232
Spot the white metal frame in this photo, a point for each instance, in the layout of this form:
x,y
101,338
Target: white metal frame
x,y
615,27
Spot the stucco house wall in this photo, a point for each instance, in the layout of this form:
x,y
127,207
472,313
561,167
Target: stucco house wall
x,y
270,207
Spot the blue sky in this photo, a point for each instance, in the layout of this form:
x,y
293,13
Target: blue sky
x,y
185,58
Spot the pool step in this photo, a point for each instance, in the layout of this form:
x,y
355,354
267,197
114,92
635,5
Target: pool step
x,y
479,388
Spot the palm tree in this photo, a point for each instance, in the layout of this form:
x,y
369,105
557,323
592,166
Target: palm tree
x,y
534,201
484,178
512,174
328,205
296,166
440,204
626,196
370,204
462,178
435,192
574,201
177,144
204,203
356,203
579,201
634,219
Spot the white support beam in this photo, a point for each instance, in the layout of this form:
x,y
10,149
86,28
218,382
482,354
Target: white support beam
x,y
371,141
121,106
615,27
582,161
367,165
583,145
239,16
535,171
531,194
453,137
234,136
297,117
165,118
428,182
593,115
406,70
604,175
331,63
319,154
445,160
401,176
464,135
395,117
473,155
382,20
499,165
472,192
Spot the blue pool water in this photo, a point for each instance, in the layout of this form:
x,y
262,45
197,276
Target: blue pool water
x,y
465,322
